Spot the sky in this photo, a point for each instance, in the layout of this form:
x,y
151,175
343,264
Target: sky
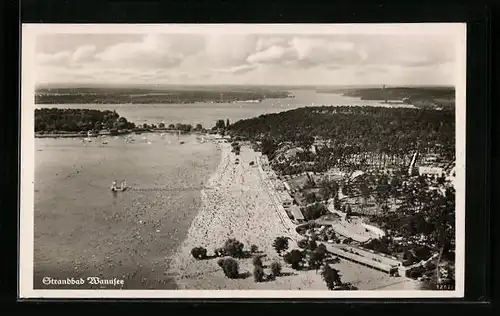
x,y
245,58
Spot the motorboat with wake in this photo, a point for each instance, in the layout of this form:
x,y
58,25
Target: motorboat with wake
x,y
122,187
179,136
129,139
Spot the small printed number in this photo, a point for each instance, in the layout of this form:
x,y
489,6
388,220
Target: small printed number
x,y
446,287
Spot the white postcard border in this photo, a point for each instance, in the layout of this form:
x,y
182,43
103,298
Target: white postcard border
x,y
26,215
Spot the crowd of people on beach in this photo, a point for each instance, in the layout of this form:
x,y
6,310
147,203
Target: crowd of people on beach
x,y
245,211
234,205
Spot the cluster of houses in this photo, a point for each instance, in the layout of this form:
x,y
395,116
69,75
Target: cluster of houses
x,y
430,166
288,195
427,166
357,254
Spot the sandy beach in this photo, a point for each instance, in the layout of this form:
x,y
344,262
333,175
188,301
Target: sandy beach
x,y
237,204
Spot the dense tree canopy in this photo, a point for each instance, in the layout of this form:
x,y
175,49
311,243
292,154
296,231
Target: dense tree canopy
x,y
76,120
352,136
416,209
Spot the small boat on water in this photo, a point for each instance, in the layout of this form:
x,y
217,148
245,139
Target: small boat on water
x,y
122,187
179,136
105,141
129,139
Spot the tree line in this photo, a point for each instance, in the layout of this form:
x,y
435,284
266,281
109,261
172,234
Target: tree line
x,y
419,97
77,120
354,135
123,96
82,120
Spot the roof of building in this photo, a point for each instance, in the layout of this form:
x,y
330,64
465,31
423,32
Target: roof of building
x,y
284,196
287,186
345,253
296,212
356,174
430,169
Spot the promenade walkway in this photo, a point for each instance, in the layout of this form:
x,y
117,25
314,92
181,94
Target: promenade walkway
x,y
280,210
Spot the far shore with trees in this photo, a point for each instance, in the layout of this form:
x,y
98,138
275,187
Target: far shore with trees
x,y
55,122
128,95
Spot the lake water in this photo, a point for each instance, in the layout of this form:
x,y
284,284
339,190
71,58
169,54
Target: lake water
x,y
208,113
82,229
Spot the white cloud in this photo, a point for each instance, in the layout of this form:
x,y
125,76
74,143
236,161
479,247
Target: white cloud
x,y
56,58
253,58
238,69
228,50
271,54
308,52
83,53
152,51
322,51
266,42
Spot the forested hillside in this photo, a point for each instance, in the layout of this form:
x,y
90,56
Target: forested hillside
x,y
384,134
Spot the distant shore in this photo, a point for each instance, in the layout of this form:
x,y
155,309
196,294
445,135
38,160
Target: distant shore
x,y
64,134
154,96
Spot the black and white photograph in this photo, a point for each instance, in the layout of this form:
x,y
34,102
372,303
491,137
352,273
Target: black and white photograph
x,y
242,160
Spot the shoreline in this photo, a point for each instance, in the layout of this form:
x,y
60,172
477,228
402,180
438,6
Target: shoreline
x,y
212,101
232,210
78,135
210,178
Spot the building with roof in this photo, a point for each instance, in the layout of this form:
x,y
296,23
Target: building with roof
x,y
430,171
272,175
264,162
285,199
287,186
369,258
357,174
297,215
278,185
